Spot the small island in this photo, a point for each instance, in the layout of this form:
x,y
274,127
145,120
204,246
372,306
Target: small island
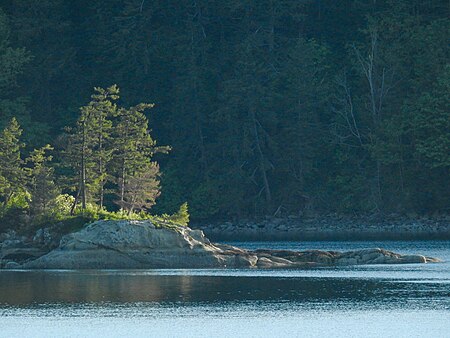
x,y
86,204
149,245
106,162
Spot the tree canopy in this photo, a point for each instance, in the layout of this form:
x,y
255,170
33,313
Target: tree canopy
x,y
270,107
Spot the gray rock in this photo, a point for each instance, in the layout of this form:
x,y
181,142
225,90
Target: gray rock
x,y
43,237
347,261
141,245
21,254
414,259
380,256
12,265
11,243
271,263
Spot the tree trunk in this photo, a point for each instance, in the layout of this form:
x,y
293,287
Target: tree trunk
x,y
122,183
75,202
100,164
83,168
261,158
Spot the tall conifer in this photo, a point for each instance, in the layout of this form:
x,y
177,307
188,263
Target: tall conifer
x,y
135,174
88,151
12,174
42,184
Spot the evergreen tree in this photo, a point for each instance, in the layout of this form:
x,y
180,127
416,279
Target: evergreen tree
x,y
244,95
181,217
88,151
102,109
136,176
57,72
12,175
306,84
12,63
42,183
140,189
430,123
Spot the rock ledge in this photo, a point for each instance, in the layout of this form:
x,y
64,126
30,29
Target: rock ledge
x,y
141,245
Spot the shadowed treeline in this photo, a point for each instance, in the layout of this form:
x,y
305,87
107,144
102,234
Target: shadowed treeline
x,y
271,107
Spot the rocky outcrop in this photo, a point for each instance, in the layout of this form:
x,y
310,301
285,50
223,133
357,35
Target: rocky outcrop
x,y
139,245
15,249
330,258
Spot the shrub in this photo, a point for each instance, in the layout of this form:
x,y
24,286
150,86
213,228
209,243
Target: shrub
x,y
13,214
181,217
62,205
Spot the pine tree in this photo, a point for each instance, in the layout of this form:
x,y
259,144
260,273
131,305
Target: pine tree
x,y
12,63
305,85
12,174
141,188
429,123
136,176
88,151
102,109
42,184
181,217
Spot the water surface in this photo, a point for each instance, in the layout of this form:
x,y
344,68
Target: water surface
x,y
363,301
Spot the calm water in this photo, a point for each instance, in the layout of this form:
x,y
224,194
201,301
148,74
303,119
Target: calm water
x,y
363,301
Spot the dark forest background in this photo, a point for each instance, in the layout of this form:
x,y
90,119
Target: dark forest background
x,y
271,107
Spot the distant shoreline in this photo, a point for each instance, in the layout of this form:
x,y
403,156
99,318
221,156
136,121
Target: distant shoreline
x,y
329,228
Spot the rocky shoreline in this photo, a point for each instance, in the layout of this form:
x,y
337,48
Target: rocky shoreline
x,y
144,245
330,228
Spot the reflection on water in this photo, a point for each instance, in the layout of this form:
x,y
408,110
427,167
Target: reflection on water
x,y
28,288
402,300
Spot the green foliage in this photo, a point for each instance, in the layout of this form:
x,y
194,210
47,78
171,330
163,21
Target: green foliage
x,y
13,213
429,123
19,201
12,174
12,104
41,182
98,115
136,176
181,217
89,151
94,213
270,106
91,147
62,205
206,200
114,144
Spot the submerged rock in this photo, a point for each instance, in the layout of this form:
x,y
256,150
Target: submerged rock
x,y
139,245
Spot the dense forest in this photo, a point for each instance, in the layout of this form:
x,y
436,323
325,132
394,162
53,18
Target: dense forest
x,y
271,107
